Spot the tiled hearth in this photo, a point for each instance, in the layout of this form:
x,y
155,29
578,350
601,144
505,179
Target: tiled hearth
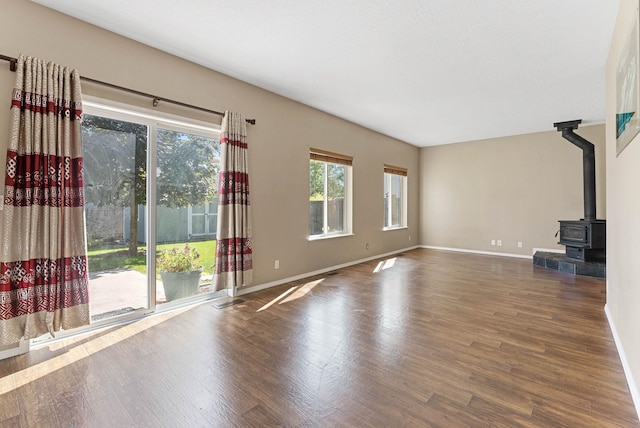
x,y
562,263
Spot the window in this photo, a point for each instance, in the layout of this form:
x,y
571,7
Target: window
x,y
329,194
395,199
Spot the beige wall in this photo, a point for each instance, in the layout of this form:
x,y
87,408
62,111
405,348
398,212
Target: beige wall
x,y
623,223
279,143
513,189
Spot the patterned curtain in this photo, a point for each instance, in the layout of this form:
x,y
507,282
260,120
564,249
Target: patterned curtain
x,y
43,260
234,263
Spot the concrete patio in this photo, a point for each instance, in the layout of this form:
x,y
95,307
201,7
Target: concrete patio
x,y
119,291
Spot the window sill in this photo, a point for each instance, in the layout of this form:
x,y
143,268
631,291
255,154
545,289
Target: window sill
x,y
387,229
323,237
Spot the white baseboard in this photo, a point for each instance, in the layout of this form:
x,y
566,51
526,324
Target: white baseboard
x,y
489,253
633,386
253,289
549,250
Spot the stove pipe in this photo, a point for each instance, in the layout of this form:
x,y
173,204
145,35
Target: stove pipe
x,y
588,165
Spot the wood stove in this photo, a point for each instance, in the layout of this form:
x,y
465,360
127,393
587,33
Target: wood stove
x,y
584,239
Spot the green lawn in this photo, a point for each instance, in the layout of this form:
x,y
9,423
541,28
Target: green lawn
x,y
101,259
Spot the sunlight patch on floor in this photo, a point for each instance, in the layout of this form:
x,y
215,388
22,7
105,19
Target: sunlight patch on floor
x,y
385,264
33,373
277,299
302,291
292,294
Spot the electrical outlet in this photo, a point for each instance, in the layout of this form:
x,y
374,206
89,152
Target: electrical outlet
x,y
499,242
493,242
409,237
519,244
366,246
276,265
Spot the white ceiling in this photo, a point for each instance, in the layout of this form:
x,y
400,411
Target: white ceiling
x,y
427,72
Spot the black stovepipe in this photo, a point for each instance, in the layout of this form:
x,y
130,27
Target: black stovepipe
x,y
588,165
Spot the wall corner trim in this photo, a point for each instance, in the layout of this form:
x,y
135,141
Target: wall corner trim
x,y
633,386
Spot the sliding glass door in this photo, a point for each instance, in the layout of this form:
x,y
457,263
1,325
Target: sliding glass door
x,y
115,159
145,176
187,168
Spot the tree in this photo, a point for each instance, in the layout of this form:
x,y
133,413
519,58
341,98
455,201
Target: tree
x,y
116,167
335,181
316,180
334,177
188,167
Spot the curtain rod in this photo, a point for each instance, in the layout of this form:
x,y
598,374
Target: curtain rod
x,y
156,99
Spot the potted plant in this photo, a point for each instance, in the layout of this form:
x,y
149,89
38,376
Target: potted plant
x,y
180,270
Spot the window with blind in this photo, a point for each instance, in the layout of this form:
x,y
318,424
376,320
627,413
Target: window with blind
x,y
329,194
395,199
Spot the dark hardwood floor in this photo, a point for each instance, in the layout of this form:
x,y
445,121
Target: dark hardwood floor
x,y
433,338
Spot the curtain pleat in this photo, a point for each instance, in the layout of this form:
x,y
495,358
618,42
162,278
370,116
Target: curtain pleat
x,y
234,262
43,258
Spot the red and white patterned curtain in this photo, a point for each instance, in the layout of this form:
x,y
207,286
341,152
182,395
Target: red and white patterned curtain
x,y
43,260
234,263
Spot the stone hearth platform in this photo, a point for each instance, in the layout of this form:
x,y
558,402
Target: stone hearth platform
x,y
562,263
